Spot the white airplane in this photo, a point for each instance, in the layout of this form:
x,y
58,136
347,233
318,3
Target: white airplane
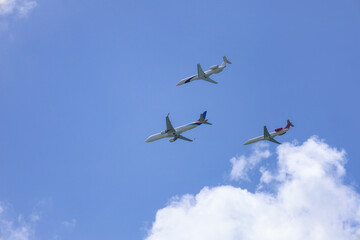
x,y
205,75
270,136
175,133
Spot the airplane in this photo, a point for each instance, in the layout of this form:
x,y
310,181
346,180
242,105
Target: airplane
x,y
270,136
205,75
175,133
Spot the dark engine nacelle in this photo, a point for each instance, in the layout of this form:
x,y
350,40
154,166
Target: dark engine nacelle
x,y
278,129
172,140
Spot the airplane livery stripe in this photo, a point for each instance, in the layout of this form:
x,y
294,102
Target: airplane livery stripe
x,y
195,123
188,80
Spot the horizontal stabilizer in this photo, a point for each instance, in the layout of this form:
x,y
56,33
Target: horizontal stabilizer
x,y
226,60
202,116
289,123
203,119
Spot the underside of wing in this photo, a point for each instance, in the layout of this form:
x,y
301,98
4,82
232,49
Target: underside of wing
x,y
201,73
273,140
169,127
184,138
210,80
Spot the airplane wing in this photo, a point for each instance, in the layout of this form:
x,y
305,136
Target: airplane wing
x,y
267,135
273,140
184,138
210,80
201,73
169,127
266,132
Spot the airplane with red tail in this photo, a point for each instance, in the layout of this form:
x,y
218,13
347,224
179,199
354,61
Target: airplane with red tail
x,y
270,136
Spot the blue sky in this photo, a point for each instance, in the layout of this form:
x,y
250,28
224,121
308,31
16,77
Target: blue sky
x,y
84,83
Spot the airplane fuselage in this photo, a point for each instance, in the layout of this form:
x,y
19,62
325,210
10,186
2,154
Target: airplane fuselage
x,y
205,75
208,73
272,135
178,130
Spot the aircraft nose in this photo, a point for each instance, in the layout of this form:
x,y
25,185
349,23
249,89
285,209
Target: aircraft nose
x,y
150,139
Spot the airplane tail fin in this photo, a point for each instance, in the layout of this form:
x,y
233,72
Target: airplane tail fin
x,y
289,124
203,118
225,62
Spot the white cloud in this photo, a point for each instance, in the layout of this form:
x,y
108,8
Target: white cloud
x,y
310,201
241,165
26,227
266,176
19,7
16,228
69,224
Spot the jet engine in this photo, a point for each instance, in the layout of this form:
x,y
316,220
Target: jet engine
x,y
173,139
214,67
163,132
278,129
